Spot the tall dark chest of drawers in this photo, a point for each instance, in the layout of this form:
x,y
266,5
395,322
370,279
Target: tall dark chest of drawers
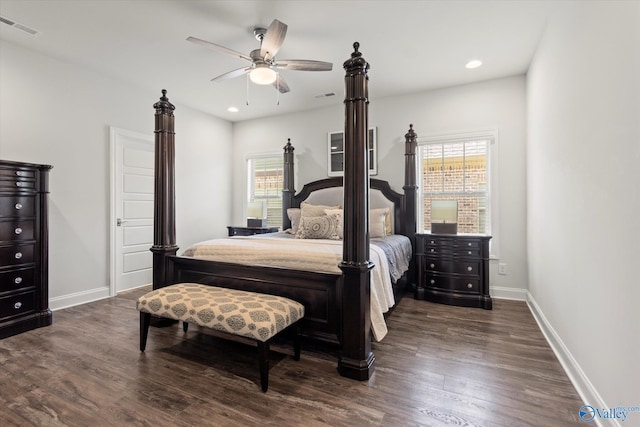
x,y
453,269
24,293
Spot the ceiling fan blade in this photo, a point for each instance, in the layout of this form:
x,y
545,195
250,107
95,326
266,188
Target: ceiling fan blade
x,y
281,85
273,39
303,65
231,74
219,48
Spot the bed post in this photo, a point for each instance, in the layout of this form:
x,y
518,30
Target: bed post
x,y
356,360
164,224
288,187
410,195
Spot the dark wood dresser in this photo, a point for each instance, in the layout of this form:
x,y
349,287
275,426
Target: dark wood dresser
x,y
453,269
24,271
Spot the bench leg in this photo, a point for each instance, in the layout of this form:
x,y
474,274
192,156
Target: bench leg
x,y
296,343
263,356
185,326
145,320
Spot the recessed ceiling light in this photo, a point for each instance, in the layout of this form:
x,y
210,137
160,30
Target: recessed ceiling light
x,y
473,64
233,109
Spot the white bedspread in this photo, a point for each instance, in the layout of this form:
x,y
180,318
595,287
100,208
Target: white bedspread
x,y
302,254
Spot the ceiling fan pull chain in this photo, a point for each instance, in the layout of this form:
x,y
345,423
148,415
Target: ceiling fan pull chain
x,y
247,89
277,88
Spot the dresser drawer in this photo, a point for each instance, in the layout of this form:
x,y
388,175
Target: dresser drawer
x,y
17,206
17,254
17,279
452,247
460,284
17,184
18,304
440,265
17,179
16,231
16,172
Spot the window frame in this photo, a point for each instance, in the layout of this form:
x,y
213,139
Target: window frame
x,y
250,179
491,134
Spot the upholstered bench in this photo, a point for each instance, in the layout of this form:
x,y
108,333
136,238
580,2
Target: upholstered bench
x,y
259,317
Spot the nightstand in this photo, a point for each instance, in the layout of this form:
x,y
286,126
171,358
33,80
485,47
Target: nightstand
x,y
250,231
453,269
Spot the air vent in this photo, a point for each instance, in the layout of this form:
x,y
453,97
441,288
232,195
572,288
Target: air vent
x,y
19,26
324,95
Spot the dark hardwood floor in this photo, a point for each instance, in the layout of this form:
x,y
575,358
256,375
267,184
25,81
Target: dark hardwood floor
x,y
439,365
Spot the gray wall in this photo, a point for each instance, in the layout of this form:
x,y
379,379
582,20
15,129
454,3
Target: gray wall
x,y
56,113
583,178
493,104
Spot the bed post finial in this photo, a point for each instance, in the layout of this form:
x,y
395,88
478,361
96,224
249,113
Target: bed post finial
x,y
164,222
355,53
164,106
357,359
288,187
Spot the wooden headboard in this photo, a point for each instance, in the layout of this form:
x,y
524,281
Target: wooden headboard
x,y
329,192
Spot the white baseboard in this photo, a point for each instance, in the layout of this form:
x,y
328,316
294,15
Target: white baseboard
x,y
583,386
78,298
501,292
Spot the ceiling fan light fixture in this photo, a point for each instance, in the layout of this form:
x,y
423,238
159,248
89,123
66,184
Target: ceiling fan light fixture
x,y
263,76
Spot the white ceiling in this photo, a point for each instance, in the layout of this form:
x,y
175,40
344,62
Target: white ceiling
x,y
410,45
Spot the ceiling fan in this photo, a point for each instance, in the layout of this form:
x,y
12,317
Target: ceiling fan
x,y
263,62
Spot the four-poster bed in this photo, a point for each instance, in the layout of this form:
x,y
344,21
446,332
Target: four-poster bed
x,y
337,304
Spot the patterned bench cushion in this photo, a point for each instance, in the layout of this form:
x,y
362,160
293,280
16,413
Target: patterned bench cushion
x,y
248,314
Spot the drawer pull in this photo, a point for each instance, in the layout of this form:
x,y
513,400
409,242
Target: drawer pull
x,y
432,250
17,280
18,173
470,252
432,265
18,184
17,305
469,285
18,206
433,282
18,230
433,242
469,268
469,244
18,255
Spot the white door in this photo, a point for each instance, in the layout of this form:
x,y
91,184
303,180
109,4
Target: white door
x,y
132,209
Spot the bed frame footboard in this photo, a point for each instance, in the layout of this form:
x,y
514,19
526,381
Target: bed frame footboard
x,y
320,293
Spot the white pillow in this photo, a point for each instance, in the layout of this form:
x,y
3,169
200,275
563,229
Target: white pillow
x,y
294,217
315,210
377,225
377,221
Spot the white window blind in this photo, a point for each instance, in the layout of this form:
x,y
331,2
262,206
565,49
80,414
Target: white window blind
x,y
265,179
457,170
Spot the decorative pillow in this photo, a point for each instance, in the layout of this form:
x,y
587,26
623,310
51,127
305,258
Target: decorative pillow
x,y
318,227
315,210
337,214
377,226
294,217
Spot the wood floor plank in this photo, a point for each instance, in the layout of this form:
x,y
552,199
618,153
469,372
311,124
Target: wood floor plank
x,y
438,366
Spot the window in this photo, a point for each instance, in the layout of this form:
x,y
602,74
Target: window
x,y
265,179
336,153
458,167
